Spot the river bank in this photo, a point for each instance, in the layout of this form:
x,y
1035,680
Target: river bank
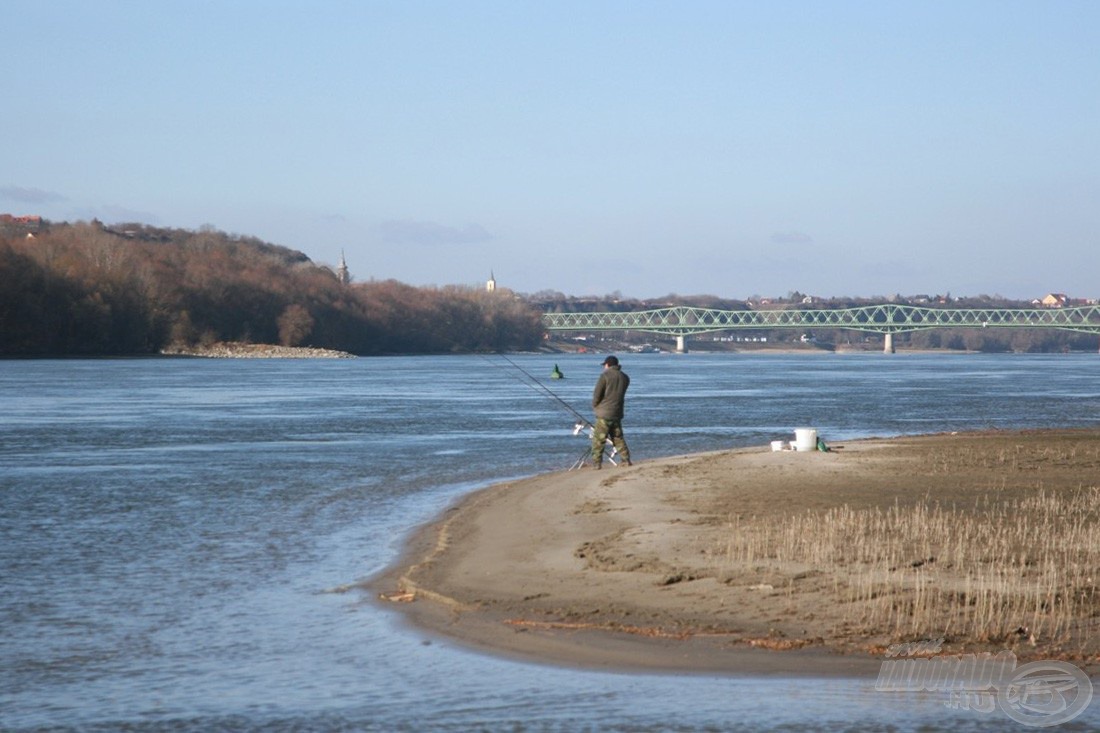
x,y
753,561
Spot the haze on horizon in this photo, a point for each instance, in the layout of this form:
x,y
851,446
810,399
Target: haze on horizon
x,y
726,148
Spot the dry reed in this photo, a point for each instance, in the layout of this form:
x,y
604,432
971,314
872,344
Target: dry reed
x,y
997,568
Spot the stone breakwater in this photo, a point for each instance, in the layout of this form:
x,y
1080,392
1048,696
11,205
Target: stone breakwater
x,y
224,350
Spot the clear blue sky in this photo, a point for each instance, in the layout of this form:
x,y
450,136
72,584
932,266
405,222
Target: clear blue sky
x,y
730,148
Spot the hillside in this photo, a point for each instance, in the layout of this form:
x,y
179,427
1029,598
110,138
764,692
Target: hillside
x,y
129,289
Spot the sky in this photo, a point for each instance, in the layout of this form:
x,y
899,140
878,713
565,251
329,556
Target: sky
x,y
728,148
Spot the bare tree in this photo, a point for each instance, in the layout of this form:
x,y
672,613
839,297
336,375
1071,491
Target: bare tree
x,y
295,325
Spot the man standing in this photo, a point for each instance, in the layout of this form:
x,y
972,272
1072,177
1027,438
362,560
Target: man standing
x,y
608,401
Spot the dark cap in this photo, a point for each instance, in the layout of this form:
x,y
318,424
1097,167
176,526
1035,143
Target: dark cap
x,y
611,361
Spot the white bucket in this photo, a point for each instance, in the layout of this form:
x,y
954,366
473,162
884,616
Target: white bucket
x,y
805,439
778,445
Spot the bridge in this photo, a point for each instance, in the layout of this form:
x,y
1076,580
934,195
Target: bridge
x,y
682,321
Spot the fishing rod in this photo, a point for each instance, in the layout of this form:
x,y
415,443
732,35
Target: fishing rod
x,y
534,383
583,422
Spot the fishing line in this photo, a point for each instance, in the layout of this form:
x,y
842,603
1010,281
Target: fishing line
x,y
535,384
582,423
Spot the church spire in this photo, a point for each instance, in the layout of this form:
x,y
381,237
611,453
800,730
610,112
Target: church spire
x,y
342,273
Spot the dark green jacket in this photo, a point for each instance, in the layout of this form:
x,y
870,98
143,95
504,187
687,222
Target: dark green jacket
x,y
610,393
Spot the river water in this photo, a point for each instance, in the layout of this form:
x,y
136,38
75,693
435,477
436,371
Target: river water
x,y
174,530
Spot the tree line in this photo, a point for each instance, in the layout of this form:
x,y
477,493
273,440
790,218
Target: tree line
x,y
86,289
130,289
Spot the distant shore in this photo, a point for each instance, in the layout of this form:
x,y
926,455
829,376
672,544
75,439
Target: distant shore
x,y
751,561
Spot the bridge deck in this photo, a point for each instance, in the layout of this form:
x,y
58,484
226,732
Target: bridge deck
x,y
886,318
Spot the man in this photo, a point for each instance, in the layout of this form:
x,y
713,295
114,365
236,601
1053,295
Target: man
x,y
608,401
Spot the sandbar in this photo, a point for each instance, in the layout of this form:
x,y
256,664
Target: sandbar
x,y
721,562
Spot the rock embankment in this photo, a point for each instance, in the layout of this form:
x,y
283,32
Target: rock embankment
x,y
235,350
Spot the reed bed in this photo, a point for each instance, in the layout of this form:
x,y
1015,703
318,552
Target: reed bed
x,y
997,569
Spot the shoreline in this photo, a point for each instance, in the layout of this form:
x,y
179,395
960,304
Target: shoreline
x,y
241,350
662,566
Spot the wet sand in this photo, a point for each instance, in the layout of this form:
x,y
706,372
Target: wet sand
x,y
639,568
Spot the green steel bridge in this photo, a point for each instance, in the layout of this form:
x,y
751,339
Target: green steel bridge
x,y
682,321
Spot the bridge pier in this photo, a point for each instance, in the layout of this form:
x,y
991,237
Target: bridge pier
x,y
681,344
888,345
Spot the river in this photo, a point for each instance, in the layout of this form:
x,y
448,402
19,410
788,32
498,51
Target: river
x,y
180,535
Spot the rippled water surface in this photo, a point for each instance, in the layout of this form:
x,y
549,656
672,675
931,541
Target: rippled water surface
x,y
171,528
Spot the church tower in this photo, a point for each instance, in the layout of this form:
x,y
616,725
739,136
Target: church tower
x,y
491,285
342,273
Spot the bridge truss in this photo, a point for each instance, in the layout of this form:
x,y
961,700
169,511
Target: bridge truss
x,y
888,318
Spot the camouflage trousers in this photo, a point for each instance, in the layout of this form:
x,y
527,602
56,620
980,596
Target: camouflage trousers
x,y
605,429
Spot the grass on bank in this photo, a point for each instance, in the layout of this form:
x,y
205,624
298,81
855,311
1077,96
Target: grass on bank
x,y
999,569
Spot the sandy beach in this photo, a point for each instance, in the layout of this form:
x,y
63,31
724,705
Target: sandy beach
x,y
751,561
